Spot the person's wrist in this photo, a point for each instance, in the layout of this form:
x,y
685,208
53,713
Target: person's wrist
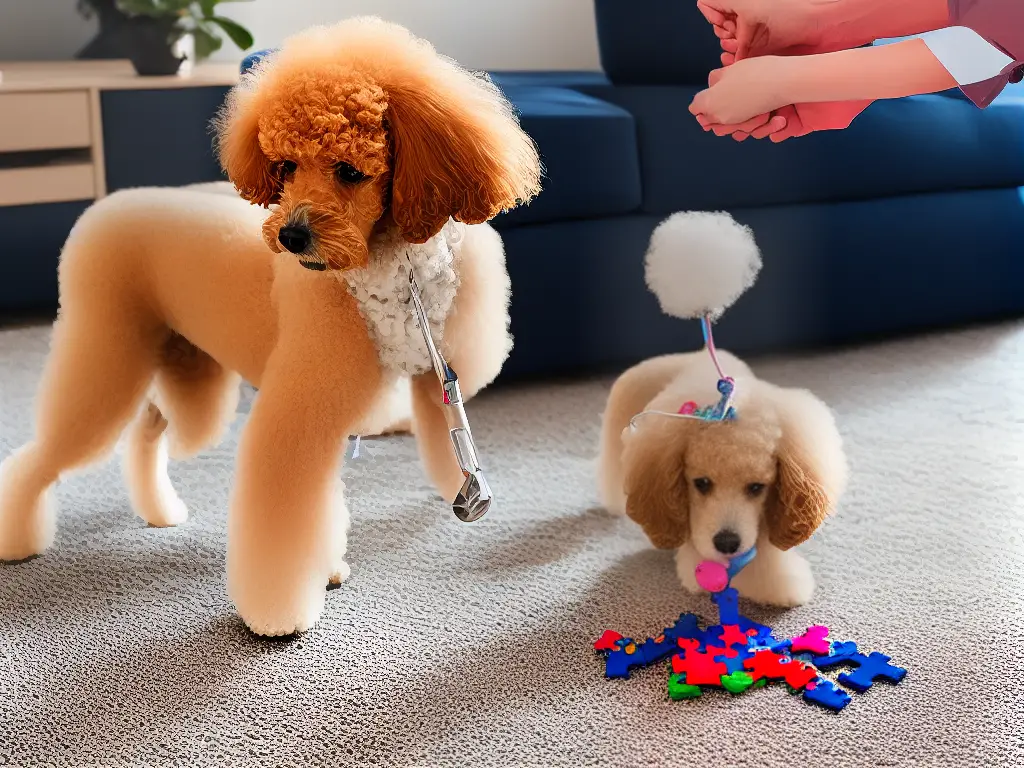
x,y
859,22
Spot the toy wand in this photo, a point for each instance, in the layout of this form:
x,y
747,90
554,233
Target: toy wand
x,y
474,498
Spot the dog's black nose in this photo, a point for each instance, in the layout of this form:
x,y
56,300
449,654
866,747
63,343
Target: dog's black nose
x,y
294,238
727,542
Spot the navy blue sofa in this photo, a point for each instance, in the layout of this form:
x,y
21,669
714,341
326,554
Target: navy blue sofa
x,y
911,219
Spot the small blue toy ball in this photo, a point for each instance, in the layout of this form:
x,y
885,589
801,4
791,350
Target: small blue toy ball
x,y
253,59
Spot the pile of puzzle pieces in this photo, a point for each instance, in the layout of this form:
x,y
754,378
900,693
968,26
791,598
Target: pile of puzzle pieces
x,y
738,654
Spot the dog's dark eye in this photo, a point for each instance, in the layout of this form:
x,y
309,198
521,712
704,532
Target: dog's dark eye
x,y
285,169
703,485
346,174
755,489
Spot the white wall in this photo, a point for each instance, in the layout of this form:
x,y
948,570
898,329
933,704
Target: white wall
x,y
480,34
40,30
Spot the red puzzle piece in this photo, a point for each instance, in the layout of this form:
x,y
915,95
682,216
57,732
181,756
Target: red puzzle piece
x,y
699,668
731,635
815,640
769,665
607,641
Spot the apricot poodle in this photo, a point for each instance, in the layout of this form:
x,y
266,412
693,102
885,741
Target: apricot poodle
x,y
375,155
715,489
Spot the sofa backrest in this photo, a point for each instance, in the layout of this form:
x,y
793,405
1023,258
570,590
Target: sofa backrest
x,y
655,42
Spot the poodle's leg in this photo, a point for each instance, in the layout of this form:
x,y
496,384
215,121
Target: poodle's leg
x,y
286,527
776,577
629,395
197,394
145,470
686,568
773,577
433,438
199,398
100,366
476,343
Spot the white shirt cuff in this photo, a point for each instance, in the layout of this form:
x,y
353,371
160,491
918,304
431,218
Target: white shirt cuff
x,y
966,55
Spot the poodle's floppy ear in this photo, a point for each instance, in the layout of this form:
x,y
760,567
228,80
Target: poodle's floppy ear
x,y
238,146
458,149
657,498
812,468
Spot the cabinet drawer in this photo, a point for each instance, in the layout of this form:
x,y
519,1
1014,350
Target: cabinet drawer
x,y
47,184
31,121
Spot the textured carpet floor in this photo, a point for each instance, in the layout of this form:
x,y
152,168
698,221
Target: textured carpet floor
x,y
470,645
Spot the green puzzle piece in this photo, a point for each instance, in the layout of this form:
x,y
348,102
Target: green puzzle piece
x,y
679,689
737,682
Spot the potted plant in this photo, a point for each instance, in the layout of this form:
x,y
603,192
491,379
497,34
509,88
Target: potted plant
x,y
148,30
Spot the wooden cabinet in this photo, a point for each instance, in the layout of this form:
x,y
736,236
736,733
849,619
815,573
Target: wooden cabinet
x,y
71,132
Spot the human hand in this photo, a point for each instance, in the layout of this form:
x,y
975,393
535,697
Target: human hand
x,y
746,90
749,28
791,121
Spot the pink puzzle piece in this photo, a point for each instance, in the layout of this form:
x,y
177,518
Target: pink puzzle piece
x,y
815,640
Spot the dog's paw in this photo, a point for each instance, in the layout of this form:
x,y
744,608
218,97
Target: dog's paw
x,y
27,517
787,583
286,615
339,574
686,568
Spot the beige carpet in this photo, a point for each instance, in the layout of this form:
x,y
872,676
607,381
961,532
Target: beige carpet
x,y
456,645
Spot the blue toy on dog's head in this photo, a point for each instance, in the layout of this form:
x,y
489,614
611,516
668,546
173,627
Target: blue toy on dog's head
x,y
698,264
253,59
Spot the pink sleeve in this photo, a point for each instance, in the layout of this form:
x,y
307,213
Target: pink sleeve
x,y
1000,22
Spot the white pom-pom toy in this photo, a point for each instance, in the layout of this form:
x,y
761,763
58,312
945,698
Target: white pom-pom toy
x,y
699,263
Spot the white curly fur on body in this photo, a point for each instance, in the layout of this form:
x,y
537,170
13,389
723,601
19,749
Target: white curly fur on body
x,y
382,290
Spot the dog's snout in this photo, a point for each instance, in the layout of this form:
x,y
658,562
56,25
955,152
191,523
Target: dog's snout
x,y
294,238
727,542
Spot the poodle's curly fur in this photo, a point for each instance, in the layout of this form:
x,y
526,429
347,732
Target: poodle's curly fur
x,y
356,134
769,478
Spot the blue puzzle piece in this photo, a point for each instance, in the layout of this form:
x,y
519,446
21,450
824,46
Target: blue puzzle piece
x,y
870,668
618,662
826,694
735,664
728,602
841,653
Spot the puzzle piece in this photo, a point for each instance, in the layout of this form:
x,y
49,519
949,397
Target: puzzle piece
x,y
840,653
679,689
728,602
608,641
625,657
625,654
827,694
700,668
732,635
737,682
870,668
769,665
815,640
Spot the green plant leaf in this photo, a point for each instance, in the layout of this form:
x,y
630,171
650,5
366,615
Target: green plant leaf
x,y
140,7
239,35
208,7
207,43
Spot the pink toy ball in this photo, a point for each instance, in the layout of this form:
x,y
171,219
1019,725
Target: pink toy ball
x,y
712,576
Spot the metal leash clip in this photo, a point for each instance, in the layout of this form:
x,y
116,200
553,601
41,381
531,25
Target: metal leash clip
x,y
474,498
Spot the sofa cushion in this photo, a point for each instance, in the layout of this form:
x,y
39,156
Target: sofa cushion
x,y
589,152
655,42
915,145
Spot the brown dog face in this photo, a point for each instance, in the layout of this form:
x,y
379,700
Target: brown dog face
x,y
778,469
351,127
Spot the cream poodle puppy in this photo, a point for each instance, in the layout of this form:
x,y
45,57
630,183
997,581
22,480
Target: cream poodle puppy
x,y
763,467
375,155
715,489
